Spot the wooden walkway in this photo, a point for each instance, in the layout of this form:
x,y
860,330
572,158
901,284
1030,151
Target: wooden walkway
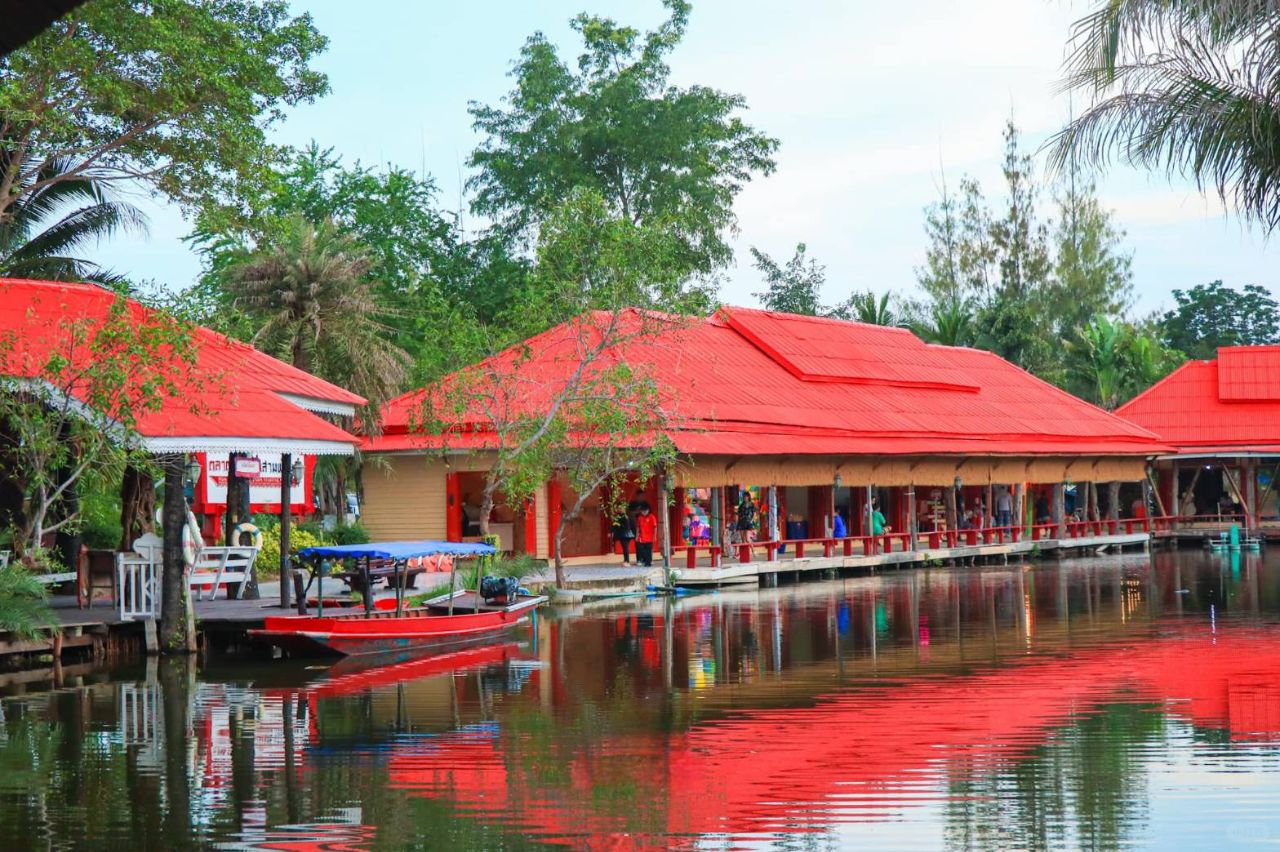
x,y
730,572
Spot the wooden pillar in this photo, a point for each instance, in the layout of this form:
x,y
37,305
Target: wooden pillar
x,y
913,522
868,511
774,530
1113,501
1250,484
286,517
664,520
1020,507
1095,513
230,518
1059,509
953,521
989,509
177,621
717,515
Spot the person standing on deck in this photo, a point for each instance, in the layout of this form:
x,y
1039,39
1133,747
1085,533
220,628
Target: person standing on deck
x,y
1004,508
646,535
838,529
878,525
624,533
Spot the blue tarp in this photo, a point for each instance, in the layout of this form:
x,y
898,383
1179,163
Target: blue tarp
x,y
398,550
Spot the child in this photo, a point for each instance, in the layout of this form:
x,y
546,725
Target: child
x,y
646,535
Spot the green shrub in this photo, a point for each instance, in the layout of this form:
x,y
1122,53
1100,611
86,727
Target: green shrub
x,y
353,533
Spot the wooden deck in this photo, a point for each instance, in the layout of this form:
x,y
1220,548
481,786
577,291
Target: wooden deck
x,y
733,573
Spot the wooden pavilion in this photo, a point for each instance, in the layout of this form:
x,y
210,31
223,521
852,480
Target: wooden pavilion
x,y
812,417
1222,419
233,402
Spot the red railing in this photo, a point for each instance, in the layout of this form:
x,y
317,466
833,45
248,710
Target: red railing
x,y
691,552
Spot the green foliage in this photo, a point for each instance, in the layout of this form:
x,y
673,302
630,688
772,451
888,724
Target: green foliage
x,y
1014,283
1092,275
1108,361
1211,315
948,323
615,125
1182,87
309,297
54,216
792,289
23,610
867,307
353,533
175,93
100,514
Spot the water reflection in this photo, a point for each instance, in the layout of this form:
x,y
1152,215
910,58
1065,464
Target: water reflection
x,y
1092,703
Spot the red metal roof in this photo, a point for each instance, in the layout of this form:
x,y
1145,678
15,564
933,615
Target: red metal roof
x,y
756,382
234,396
1227,405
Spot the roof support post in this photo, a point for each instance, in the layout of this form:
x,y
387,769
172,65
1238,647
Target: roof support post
x,y
913,523
772,494
868,523
1020,508
286,506
1059,509
664,521
1251,495
952,521
717,515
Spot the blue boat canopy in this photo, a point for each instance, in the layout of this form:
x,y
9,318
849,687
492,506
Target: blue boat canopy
x,y
399,550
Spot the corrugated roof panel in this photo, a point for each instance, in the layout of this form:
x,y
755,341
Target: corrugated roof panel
x,y
1192,410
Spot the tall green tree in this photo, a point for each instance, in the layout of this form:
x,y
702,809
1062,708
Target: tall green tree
x,y
177,94
613,123
47,228
1182,86
959,257
1013,320
1211,315
313,306
428,281
596,276
1092,275
795,288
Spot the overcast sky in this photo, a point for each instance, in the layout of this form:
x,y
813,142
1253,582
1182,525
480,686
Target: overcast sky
x,y
870,102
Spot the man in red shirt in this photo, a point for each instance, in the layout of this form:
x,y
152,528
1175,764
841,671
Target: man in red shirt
x,y
646,535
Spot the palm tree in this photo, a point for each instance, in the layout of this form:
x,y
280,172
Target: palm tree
x,y
55,216
1186,86
1097,360
950,323
309,294
866,307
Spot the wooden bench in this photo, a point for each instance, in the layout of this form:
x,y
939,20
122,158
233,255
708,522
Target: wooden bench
x,y
215,566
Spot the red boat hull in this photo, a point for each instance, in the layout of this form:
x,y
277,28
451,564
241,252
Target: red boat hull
x,y
380,633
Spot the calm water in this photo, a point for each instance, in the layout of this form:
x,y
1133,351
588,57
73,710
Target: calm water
x,y
1099,703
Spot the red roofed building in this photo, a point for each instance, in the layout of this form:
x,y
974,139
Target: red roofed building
x,y
232,399
1223,419
823,409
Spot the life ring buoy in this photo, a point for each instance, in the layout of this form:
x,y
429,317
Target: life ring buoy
x,y
255,535
190,549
